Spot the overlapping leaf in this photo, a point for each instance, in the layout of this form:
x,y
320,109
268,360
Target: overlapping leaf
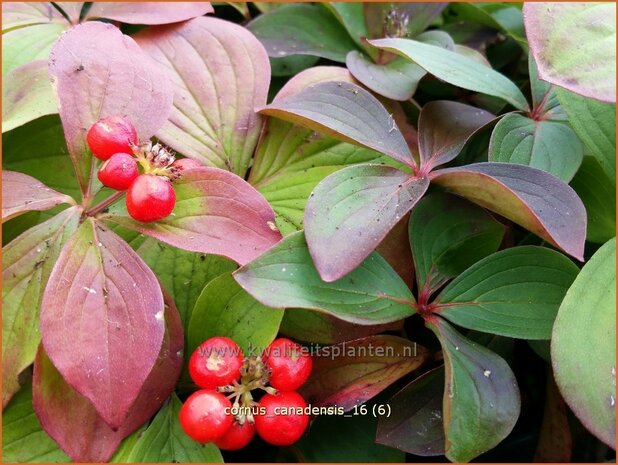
x,y
183,274
27,262
322,328
584,343
97,72
285,277
515,292
164,441
220,74
302,29
415,424
347,112
26,44
26,95
20,14
62,410
547,145
402,19
102,299
456,69
148,12
598,192
444,128
449,234
595,124
532,198
22,193
581,59
225,309
20,422
216,212
345,381
481,399
352,210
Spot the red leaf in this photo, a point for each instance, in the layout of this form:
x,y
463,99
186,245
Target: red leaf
x,y
216,212
102,320
149,12
344,377
22,193
70,418
530,197
98,72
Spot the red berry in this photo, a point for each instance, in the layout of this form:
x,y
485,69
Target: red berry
x,y
216,362
284,420
289,364
111,135
118,172
186,164
237,437
203,416
150,198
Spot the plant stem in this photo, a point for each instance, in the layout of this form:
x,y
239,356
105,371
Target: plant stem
x,y
104,204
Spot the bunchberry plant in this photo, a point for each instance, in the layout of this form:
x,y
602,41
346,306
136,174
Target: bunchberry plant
x,y
320,231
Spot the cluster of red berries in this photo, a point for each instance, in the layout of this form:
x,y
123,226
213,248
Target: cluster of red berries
x,y
218,367
150,196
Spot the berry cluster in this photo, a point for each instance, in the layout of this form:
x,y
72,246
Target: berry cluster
x,y
218,367
150,196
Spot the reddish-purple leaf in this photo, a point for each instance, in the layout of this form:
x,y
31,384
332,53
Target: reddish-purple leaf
x,y
345,378
148,12
532,198
102,320
27,262
22,193
415,424
312,76
346,112
71,9
216,212
97,72
19,14
220,74
444,128
351,211
70,419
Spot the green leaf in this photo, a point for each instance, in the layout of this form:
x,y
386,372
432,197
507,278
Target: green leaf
x,y
515,292
285,277
546,145
20,14
345,378
23,439
183,274
346,112
27,262
584,345
165,441
27,44
321,328
544,98
598,192
126,446
580,59
481,399
415,424
396,80
350,212
595,124
448,234
302,29
456,69
26,95
291,65
225,309
351,15
504,18
34,147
